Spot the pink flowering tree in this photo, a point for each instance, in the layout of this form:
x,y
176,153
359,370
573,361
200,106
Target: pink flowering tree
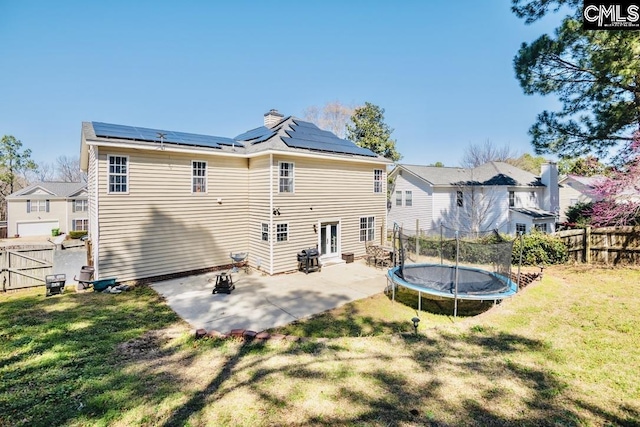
x,y
619,195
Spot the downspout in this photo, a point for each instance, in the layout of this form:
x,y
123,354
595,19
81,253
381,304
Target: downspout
x,y
271,234
95,246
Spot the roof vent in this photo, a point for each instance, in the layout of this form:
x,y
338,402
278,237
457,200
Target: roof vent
x,y
272,118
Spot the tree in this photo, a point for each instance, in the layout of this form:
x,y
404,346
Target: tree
x,y
595,74
13,161
618,197
68,169
437,164
368,130
333,117
582,166
528,163
479,154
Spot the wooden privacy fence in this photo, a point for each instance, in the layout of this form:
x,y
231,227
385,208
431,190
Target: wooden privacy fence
x,y
608,245
25,266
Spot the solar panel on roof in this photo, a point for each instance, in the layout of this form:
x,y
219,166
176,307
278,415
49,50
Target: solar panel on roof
x,y
108,130
254,133
327,147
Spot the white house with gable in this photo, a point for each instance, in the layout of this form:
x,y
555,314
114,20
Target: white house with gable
x,y
495,195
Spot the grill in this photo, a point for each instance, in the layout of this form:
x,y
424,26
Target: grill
x,y
309,260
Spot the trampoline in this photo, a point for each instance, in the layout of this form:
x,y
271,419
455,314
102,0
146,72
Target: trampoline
x,y
440,281
476,268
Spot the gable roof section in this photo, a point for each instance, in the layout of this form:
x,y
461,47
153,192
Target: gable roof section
x,y
290,134
492,173
534,213
53,189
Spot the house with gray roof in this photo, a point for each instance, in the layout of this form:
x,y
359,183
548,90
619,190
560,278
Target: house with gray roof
x,y
43,206
167,202
494,195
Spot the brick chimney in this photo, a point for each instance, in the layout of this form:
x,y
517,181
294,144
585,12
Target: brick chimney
x,y
272,118
549,177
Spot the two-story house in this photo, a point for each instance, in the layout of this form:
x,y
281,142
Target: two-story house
x,y
495,195
37,209
164,202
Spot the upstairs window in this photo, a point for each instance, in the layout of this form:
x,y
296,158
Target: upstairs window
x,y
398,198
80,205
378,180
199,177
285,175
408,198
459,198
37,206
118,174
512,199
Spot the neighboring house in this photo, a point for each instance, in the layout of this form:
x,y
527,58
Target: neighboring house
x,y
576,189
163,203
41,207
495,195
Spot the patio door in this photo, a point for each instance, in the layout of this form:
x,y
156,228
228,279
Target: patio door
x,y
330,239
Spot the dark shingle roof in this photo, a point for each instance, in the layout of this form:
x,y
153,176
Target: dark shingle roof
x,y
492,173
534,213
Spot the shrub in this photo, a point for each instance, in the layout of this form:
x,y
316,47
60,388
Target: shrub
x,y
580,213
77,234
540,249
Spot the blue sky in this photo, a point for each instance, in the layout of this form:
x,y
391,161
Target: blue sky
x,y
442,70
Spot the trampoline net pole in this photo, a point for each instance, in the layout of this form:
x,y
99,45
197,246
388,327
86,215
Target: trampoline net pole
x,y
455,302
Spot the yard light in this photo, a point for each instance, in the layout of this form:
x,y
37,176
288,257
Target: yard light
x,y
415,321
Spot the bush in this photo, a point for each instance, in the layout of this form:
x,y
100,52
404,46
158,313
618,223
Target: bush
x,y
540,249
77,234
580,213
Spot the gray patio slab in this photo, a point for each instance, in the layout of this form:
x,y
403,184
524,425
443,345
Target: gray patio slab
x,y
261,302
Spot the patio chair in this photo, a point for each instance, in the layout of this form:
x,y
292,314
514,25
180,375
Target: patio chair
x,y
383,257
370,253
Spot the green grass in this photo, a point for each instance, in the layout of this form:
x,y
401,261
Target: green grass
x,y
563,352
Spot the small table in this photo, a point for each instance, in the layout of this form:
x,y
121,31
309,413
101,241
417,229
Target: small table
x,y
224,283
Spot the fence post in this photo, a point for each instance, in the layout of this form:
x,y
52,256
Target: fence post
x,y
587,244
417,237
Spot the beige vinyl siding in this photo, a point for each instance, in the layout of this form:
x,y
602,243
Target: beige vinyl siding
x,y
325,190
17,212
572,190
259,212
160,227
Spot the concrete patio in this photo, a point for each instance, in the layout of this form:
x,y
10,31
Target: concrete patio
x,y
260,302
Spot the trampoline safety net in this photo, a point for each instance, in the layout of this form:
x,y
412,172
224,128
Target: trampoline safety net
x,y
478,254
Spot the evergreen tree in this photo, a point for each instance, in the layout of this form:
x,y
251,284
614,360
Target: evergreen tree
x,y
368,130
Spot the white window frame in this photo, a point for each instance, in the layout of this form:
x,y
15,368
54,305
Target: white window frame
x,y
378,180
282,232
521,227
111,187
459,199
264,232
541,227
368,232
398,198
38,205
198,180
82,220
408,198
283,186
512,199
80,205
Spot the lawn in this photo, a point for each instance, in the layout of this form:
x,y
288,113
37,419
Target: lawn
x,y
563,352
